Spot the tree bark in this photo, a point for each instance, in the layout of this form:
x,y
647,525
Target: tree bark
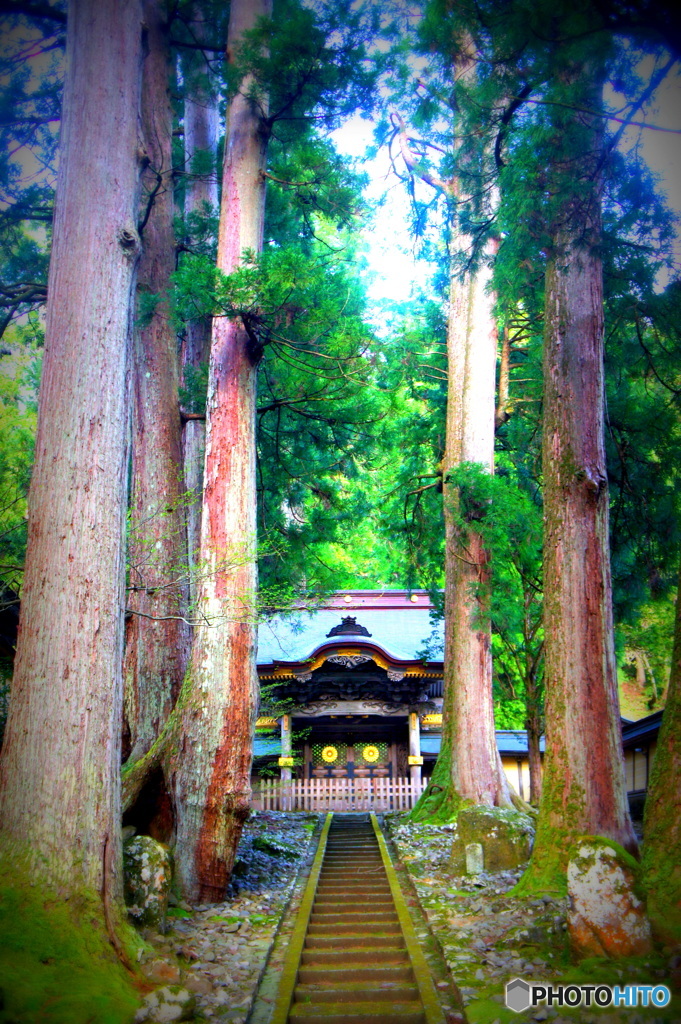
x,y
534,734
157,638
534,698
502,412
59,775
662,818
469,767
476,772
201,128
584,789
212,769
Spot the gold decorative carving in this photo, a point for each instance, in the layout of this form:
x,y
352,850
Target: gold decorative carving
x,y
349,660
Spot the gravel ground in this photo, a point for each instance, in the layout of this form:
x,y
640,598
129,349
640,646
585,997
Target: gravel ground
x,y
219,951
488,937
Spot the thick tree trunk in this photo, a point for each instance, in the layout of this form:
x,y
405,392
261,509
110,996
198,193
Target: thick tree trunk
x,y
212,772
476,771
469,768
157,638
584,789
59,776
662,822
201,129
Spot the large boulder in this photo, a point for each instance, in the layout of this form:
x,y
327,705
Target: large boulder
x,y
606,910
505,836
147,872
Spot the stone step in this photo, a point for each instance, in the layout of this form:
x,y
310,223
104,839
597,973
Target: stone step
x,y
346,916
345,879
332,905
349,869
358,849
355,928
338,860
359,1013
356,991
358,887
355,941
361,873
316,973
322,955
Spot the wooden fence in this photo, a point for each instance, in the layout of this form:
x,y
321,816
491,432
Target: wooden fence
x,y
336,794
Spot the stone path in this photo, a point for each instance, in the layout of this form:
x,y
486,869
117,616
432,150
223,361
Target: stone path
x,y
217,954
354,957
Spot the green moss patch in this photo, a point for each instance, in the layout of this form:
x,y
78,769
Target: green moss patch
x,y
56,966
486,1011
545,874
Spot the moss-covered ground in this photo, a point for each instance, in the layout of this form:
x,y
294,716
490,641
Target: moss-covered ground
x,y
489,935
56,963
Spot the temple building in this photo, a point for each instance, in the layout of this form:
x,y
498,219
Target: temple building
x,y
354,691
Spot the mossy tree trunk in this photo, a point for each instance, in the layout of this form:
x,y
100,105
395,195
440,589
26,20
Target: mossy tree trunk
x,y
661,854
211,772
584,788
468,769
157,637
475,771
59,775
201,130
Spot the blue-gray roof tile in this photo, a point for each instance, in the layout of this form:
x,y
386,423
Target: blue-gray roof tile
x,y
403,633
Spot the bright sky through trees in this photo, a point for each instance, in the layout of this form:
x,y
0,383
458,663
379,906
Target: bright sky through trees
x,y
393,259
395,268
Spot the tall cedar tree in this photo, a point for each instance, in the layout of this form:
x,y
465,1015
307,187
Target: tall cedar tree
x,y
584,790
59,774
157,638
212,770
469,768
201,126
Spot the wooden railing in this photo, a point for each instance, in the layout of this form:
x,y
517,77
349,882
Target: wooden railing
x,y
336,794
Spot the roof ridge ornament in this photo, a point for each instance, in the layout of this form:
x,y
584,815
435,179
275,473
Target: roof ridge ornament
x,y
348,627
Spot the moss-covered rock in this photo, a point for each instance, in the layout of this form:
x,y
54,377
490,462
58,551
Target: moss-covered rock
x,y
505,836
606,912
168,1004
147,872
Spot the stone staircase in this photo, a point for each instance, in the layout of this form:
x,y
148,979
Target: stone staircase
x,y
355,966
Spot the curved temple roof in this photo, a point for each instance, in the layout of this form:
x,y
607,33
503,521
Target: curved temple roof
x,y
397,622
